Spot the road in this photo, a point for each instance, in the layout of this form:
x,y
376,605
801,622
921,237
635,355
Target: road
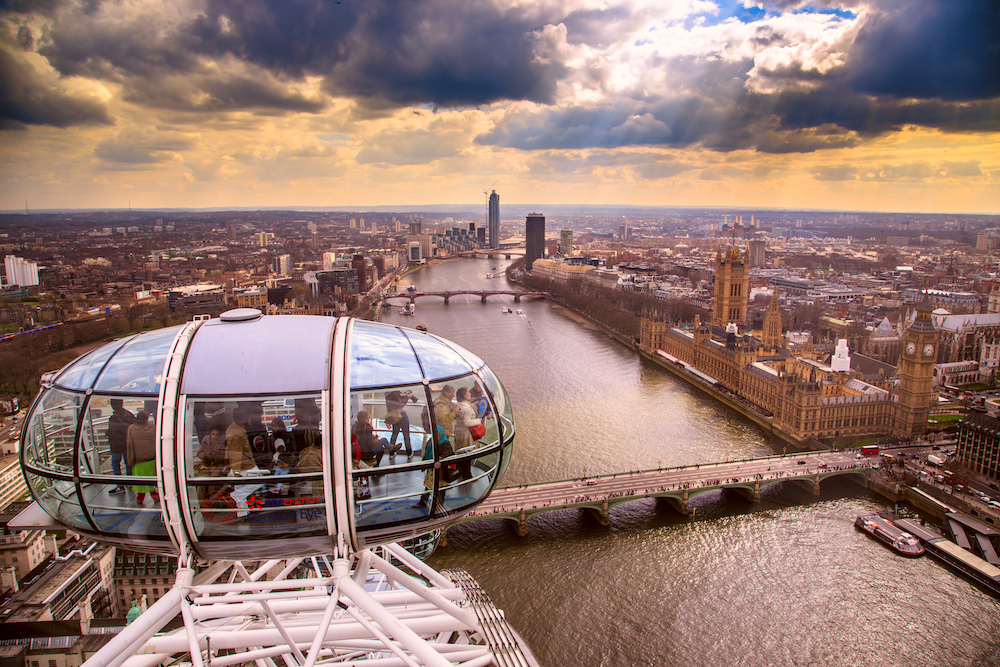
x,y
744,474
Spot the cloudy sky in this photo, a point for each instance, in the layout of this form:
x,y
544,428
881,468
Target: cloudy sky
x,y
890,105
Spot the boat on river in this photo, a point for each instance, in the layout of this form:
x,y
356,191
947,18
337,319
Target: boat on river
x,y
505,310
889,534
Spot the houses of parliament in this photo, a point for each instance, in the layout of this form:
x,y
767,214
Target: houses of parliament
x,y
804,394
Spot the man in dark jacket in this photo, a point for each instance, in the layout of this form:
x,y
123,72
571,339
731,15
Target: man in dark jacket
x,y
117,433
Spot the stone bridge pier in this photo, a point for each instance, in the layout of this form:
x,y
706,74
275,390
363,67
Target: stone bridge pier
x,y
753,495
601,516
679,504
810,485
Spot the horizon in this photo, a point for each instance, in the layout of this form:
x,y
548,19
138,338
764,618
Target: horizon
x,y
847,105
465,208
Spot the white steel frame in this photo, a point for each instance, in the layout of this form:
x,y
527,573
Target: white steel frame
x,y
356,605
356,608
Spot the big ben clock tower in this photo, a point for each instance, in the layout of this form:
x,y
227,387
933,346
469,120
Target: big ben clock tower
x,y
916,372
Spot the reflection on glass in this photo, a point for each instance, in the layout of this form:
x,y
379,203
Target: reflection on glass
x,y
380,355
438,359
122,514
52,431
104,436
137,367
80,374
58,497
254,465
502,402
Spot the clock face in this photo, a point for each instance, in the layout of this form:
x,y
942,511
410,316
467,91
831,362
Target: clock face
x,y
911,348
928,350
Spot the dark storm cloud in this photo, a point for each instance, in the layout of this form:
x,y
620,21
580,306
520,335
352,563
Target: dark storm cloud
x,y
26,99
445,53
931,64
943,49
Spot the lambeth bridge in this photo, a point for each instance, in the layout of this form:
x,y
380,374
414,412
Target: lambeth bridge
x,y
413,296
677,486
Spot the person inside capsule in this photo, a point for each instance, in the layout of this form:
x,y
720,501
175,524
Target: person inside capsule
x,y
247,452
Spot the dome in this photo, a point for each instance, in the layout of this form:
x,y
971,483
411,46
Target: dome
x,y
252,436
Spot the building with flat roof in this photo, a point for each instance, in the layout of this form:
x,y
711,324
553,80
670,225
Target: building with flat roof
x,y
978,446
534,239
20,272
82,579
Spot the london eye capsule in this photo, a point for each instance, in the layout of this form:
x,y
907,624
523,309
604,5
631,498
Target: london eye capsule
x,y
251,437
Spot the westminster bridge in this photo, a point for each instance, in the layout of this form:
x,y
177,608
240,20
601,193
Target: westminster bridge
x,y
482,294
677,486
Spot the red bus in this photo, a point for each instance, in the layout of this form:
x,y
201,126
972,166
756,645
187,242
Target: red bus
x,y
869,450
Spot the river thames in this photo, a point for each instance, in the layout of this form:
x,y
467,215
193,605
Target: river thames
x,y
786,581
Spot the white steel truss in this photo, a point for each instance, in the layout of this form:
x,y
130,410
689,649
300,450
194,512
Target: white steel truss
x,y
320,611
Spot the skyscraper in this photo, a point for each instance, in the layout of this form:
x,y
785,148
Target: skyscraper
x,y
494,220
534,239
566,241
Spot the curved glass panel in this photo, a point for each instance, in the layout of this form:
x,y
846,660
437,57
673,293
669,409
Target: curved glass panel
x,y
473,360
443,474
137,367
380,356
437,359
500,400
58,498
80,374
254,466
52,431
114,433
390,453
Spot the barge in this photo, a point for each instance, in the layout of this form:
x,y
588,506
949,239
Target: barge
x,y
889,534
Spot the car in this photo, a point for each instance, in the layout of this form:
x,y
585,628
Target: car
x,y
994,504
591,482
959,488
801,462
822,465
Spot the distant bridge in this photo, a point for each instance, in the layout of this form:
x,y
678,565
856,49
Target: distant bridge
x,y
413,296
677,486
492,252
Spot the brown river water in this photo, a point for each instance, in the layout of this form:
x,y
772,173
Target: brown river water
x,y
786,581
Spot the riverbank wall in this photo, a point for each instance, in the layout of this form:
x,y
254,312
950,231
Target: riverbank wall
x,y
730,401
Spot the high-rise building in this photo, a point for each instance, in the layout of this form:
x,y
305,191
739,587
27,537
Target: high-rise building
x,y
757,252
361,266
283,265
534,238
566,241
264,238
494,220
415,227
354,223
20,272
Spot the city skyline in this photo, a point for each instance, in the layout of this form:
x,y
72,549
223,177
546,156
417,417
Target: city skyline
x,y
850,105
